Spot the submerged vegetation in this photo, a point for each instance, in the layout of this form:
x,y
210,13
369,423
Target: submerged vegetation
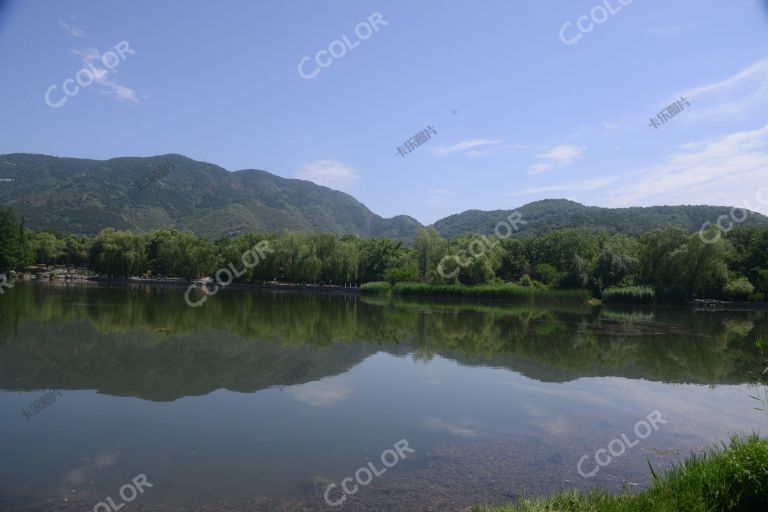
x,y
732,479
486,291
664,264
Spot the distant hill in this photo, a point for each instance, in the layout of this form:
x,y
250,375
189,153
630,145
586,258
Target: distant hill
x,y
551,214
73,195
81,196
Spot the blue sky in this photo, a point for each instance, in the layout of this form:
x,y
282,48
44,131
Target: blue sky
x,y
520,115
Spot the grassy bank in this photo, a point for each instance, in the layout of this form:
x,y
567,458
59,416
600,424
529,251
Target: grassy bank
x,y
732,479
500,291
629,295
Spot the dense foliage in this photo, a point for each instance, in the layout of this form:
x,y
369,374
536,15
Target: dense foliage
x,y
553,214
14,247
670,263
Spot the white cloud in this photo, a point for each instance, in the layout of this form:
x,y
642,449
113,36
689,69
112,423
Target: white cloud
x,y
323,393
727,170
743,94
91,59
71,29
438,196
594,184
79,474
668,30
540,168
457,429
468,146
730,170
558,156
329,173
563,154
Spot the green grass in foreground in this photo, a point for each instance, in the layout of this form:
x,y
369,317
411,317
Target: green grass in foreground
x,y
491,291
732,479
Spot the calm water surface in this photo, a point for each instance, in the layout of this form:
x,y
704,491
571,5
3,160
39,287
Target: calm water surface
x,y
258,400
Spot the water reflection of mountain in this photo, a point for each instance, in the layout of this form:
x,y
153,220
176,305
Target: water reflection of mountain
x,y
150,344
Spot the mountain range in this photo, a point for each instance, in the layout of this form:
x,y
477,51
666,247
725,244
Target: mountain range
x,y
82,196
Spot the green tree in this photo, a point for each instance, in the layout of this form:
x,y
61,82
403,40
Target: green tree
x,y
375,256
430,248
118,254
14,247
180,253
47,248
614,267
656,250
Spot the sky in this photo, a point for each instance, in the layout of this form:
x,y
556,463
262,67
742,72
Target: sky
x,y
519,101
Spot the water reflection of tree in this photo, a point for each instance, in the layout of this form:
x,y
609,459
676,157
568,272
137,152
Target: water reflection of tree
x,y
137,342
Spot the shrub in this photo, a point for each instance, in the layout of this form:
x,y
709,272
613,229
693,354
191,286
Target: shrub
x,y
376,288
548,274
490,291
404,273
629,295
738,289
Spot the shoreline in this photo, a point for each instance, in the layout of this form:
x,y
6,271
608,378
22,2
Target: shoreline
x,y
702,306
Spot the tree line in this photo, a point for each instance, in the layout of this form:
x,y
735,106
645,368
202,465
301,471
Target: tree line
x,y
671,261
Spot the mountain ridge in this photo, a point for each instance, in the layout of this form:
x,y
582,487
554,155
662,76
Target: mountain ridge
x,y
83,196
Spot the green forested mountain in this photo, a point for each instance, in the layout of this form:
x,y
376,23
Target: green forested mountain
x,y
551,214
73,195
80,196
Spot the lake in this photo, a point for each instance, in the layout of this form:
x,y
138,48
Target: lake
x,y
260,400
